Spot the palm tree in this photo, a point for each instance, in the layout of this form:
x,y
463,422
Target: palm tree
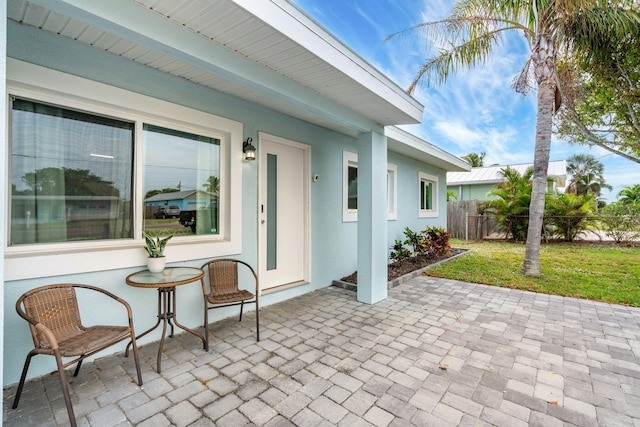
x,y
554,29
589,184
511,203
212,185
476,160
630,194
587,175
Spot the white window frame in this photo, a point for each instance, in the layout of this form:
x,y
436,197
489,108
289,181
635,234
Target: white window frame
x,y
433,212
350,159
48,86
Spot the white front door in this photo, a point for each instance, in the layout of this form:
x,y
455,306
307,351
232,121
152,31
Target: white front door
x,y
283,212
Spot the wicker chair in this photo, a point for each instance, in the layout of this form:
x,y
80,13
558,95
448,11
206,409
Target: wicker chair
x,y
224,290
54,319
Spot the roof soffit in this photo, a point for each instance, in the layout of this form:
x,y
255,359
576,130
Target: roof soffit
x,y
405,143
235,53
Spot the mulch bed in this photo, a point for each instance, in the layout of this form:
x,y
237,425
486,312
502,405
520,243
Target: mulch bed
x,y
400,268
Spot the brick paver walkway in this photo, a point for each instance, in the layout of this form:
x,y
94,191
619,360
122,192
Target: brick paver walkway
x,y
435,353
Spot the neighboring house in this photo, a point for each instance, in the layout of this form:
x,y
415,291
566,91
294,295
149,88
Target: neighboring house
x,y
147,93
53,217
478,182
185,200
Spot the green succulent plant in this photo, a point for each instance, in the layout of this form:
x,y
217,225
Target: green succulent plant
x,y
155,244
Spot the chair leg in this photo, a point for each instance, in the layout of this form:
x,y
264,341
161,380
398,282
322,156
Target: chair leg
x,y
257,321
135,356
27,362
241,307
75,373
206,327
65,389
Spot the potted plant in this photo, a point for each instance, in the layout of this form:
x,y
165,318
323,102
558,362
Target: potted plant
x,y
155,245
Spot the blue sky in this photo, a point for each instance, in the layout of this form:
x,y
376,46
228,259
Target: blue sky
x,y
476,110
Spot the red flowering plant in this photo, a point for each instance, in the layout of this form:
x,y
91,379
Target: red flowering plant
x,y
437,241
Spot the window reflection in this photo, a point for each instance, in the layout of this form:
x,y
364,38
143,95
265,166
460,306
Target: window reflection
x,y
352,188
71,175
426,195
181,182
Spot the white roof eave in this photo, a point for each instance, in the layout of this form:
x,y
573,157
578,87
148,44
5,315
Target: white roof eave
x,y
405,143
291,21
138,23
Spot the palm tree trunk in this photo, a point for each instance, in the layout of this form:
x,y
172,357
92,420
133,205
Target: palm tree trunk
x,y
544,62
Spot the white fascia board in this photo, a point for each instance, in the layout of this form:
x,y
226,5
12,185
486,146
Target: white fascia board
x,y
491,181
295,24
403,142
142,26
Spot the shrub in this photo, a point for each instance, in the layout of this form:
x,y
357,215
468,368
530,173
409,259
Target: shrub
x,y
437,239
433,241
567,215
399,252
415,241
621,221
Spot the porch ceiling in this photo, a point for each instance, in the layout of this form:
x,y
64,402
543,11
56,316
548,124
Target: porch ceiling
x,y
267,52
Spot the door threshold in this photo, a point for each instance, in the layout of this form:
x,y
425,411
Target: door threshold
x,y
284,286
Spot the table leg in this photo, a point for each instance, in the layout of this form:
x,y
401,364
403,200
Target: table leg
x,y
170,314
166,317
126,352
166,312
178,324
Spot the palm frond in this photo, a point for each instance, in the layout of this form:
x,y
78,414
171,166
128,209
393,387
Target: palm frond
x,y
465,55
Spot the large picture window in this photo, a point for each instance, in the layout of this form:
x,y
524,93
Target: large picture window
x,y
92,167
71,175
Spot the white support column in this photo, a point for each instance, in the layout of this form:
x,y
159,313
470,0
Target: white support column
x,y
372,217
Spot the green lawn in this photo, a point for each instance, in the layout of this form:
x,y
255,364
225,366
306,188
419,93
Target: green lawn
x,y
609,274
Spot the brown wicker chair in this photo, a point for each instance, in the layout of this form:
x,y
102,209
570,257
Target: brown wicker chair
x,y
54,319
224,290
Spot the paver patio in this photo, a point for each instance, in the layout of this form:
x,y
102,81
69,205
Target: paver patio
x,y
435,353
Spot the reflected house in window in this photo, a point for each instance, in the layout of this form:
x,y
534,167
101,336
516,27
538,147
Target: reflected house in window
x,y
191,204
186,200
64,218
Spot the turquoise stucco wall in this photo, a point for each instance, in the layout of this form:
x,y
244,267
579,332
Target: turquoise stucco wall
x,y
3,151
472,192
333,242
408,187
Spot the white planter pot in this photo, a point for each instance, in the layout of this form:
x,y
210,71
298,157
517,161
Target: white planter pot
x,y
156,265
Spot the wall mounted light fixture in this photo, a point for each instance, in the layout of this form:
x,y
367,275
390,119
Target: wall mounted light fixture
x,y
248,149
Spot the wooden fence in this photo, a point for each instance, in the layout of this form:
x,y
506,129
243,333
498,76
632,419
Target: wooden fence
x,y
465,222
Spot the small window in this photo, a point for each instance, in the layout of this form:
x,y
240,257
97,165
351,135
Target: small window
x,y
350,188
428,195
392,192
181,173
71,175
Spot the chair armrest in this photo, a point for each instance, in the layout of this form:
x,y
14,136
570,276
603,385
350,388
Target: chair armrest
x,y
255,276
51,338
